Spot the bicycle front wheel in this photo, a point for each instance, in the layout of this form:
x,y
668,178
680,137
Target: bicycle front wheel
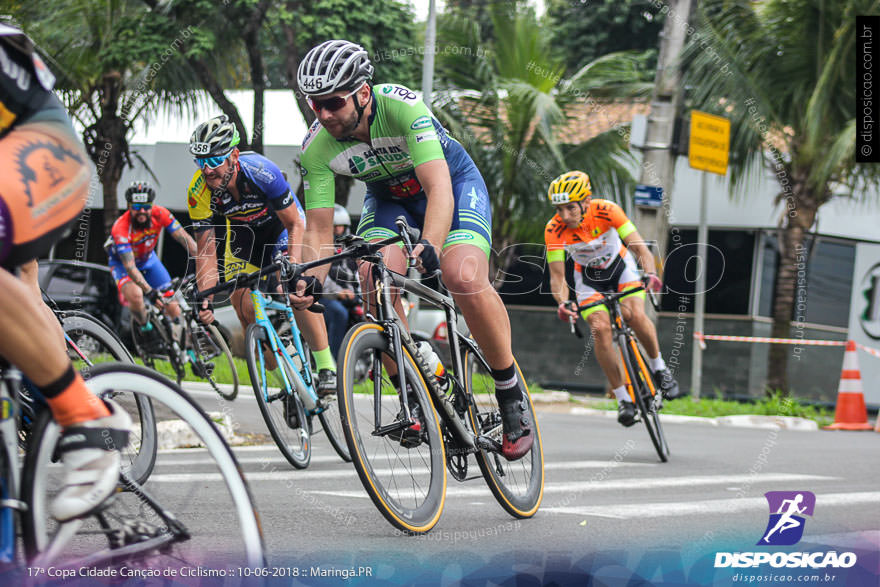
x,y
214,359
91,343
403,470
642,386
517,485
283,412
196,511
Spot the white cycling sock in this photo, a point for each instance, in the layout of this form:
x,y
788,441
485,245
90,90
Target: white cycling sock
x,y
621,394
657,363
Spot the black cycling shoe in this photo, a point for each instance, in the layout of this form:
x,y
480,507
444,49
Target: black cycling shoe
x,y
666,383
626,413
517,435
291,417
326,382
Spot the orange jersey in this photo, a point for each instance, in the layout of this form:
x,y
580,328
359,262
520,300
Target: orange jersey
x,y
596,242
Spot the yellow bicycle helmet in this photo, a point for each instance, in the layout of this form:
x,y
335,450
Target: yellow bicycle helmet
x,y
571,186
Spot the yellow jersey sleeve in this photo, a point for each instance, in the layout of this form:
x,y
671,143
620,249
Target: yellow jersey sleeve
x,y
198,200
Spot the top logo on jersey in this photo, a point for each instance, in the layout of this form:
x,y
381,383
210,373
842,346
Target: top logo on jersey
x,y
400,93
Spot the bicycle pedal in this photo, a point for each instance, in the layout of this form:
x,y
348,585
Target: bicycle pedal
x,y
488,444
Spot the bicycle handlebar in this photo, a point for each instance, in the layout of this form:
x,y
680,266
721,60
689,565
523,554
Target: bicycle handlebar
x,y
608,299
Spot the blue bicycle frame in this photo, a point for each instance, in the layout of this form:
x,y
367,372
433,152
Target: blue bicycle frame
x,y
303,381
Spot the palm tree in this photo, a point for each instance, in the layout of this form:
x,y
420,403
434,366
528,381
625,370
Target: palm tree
x,y
116,63
505,100
782,71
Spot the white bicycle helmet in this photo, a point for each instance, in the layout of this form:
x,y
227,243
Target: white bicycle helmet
x,y
333,66
340,216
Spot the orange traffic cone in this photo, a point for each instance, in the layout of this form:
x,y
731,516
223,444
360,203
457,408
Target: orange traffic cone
x,y
850,413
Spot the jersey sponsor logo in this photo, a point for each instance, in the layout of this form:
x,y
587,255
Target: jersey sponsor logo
x,y
421,122
306,185
310,136
259,171
400,93
405,189
303,171
370,175
428,136
287,199
14,71
375,157
192,202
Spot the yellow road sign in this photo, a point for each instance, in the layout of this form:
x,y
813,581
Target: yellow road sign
x,y
709,145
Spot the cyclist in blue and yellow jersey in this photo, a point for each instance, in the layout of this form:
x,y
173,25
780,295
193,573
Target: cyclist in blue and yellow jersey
x,y
43,189
387,137
262,217
599,237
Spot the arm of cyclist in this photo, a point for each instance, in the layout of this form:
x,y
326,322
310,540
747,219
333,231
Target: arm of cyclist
x,y
318,240
566,309
635,243
137,277
296,228
186,241
435,180
206,270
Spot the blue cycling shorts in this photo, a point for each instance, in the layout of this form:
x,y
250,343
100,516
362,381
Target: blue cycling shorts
x,y
152,269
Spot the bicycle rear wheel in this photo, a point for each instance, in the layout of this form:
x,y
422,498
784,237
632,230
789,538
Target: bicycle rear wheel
x,y
212,353
284,413
194,511
638,374
517,485
403,471
91,343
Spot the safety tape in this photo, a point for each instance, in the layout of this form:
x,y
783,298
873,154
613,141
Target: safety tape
x,y
702,338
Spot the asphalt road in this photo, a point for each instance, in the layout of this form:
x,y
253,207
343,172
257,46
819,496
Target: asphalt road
x,y
605,493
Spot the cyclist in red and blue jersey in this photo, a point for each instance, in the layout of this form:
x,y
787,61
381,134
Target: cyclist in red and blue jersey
x,y
131,250
386,136
261,218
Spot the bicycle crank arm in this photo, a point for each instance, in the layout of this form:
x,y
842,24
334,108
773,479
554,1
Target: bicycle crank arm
x,y
395,427
488,444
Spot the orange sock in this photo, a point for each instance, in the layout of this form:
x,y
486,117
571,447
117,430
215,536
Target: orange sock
x,y
75,403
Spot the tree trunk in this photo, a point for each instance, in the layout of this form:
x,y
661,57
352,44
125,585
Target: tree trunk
x,y
291,62
258,81
797,220
212,86
251,36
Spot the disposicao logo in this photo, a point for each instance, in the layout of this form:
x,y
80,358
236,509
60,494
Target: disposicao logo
x,y
786,524
786,528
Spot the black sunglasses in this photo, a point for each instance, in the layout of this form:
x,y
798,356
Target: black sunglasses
x,y
332,104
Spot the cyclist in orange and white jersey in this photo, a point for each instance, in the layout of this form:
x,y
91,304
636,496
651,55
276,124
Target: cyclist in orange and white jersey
x,y
602,240
43,189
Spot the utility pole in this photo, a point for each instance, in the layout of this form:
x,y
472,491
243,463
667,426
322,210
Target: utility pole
x,y
428,63
658,162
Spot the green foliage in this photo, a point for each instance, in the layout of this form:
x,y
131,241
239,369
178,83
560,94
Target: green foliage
x,y
584,30
774,405
385,29
505,102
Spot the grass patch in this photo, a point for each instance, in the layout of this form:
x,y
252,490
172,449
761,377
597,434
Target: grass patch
x,y
774,405
222,371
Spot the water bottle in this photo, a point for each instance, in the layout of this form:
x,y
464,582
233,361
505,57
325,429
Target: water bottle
x,y
434,365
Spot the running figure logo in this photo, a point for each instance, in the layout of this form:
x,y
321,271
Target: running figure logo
x,y
786,525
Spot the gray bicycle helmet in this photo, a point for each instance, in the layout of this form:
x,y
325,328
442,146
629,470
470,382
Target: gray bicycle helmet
x,y
340,216
214,138
333,66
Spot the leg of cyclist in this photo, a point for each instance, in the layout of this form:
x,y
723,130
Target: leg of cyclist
x,y
29,273
52,163
600,326
633,309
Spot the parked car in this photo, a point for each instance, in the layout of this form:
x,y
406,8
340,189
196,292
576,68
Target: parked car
x,y
77,285
89,287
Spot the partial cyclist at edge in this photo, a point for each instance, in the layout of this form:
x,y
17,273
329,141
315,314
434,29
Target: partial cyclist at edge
x,y
136,267
602,241
43,189
262,217
385,136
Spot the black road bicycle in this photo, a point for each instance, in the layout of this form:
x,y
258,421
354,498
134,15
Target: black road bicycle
x,y
639,381
402,466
